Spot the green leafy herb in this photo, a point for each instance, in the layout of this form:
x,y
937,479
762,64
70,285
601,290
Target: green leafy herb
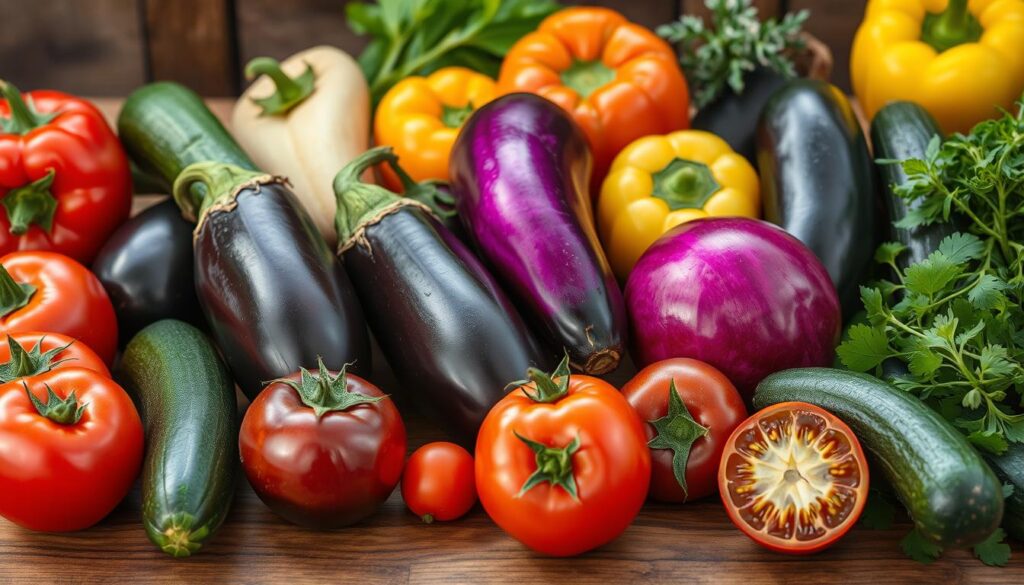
x,y
735,44
955,318
993,551
920,548
417,37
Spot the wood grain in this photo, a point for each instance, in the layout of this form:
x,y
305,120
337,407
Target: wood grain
x,y
695,543
91,48
649,13
192,42
765,8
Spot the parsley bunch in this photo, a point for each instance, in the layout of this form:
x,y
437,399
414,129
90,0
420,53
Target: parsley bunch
x,y
955,319
735,44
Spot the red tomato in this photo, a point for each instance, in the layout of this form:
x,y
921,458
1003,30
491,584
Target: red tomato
x,y
53,351
695,436
438,482
322,450
563,468
46,291
793,478
66,462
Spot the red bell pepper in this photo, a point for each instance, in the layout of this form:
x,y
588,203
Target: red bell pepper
x,y
64,178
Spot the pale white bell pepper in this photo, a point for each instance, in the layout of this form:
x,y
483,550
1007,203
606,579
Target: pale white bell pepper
x,y
305,119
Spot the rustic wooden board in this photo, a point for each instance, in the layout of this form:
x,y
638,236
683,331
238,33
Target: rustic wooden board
x,y
695,543
192,42
835,22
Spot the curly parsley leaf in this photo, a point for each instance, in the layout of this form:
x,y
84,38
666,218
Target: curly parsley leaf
x,y
993,551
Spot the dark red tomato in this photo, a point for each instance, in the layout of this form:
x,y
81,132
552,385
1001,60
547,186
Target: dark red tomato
x,y
793,478
693,437
322,450
438,482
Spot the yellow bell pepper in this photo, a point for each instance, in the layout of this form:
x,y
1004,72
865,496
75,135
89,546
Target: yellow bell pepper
x,y
420,117
959,59
659,182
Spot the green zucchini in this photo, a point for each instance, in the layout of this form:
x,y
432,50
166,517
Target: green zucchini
x,y
953,497
1009,467
187,403
165,127
901,131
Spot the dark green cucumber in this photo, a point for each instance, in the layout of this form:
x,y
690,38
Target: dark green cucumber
x,y
165,127
187,403
901,131
1009,467
953,497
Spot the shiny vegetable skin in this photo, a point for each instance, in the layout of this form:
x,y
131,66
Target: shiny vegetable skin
x,y
519,170
187,403
953,497
443,324
1009,468
817,180
734,117
901,131
146,269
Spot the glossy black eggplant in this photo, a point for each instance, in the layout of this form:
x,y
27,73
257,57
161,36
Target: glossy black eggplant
x,y
146,269
448,332
901,131
818,180
273,293
733,117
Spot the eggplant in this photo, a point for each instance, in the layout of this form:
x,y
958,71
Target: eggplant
x,y
439,317
733,117
146,269
520,170
818,180
274,295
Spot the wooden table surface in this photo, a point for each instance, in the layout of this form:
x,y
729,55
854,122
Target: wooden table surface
x,y
693,543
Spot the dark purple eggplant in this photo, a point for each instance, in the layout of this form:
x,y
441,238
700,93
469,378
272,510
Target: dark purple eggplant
x,y
273,293
444,326
733,117
520,171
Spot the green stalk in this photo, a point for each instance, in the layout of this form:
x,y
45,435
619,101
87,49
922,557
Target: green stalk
x,y
954,26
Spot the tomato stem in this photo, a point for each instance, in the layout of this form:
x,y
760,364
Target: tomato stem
x,y
28,363
326,393
554,465
63,411
677,431
13,295
547,389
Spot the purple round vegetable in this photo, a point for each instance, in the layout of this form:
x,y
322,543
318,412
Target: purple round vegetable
x,y
739,294
520,169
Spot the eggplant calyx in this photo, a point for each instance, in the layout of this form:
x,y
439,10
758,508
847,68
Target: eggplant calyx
x,y
685,184
547,387
13,295
222,183
953,26
63,411
602,362
677,431
554,465
289,91
24,117
28,363
326,393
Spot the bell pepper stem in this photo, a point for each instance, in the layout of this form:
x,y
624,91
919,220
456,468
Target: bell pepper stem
x,y
288,93
23,118
585,77
31,204
685,184
13,295
954,26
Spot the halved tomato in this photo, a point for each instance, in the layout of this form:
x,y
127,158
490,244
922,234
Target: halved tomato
x,y
793,477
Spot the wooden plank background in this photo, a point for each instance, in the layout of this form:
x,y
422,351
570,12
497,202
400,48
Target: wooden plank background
x,y
108,47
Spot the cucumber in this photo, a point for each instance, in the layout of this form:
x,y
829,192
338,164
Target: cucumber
x,y
187,403
901,131
165,127
1009,467
953,497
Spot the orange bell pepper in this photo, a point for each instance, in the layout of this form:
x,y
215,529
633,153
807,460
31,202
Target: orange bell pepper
x,y
420,118
618,79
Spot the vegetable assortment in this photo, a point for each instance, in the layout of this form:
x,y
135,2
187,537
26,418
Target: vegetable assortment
x,y
532,160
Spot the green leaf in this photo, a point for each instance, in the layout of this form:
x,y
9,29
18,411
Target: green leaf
x,y
989,441
873,306
932,275
988,292
959,247
995,361
993,551
888,252
924,362
920,548
866,348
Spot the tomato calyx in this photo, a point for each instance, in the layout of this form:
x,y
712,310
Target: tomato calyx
x,y
554,465
23,364
547,388
13,295
63,411
677,431
326,393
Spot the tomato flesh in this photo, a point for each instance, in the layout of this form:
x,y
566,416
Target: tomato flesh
x,y
794,478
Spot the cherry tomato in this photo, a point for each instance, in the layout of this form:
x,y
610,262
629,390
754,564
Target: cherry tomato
x,y
322,450
562,463
70,447
46,291
438,482
793,478
693,436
